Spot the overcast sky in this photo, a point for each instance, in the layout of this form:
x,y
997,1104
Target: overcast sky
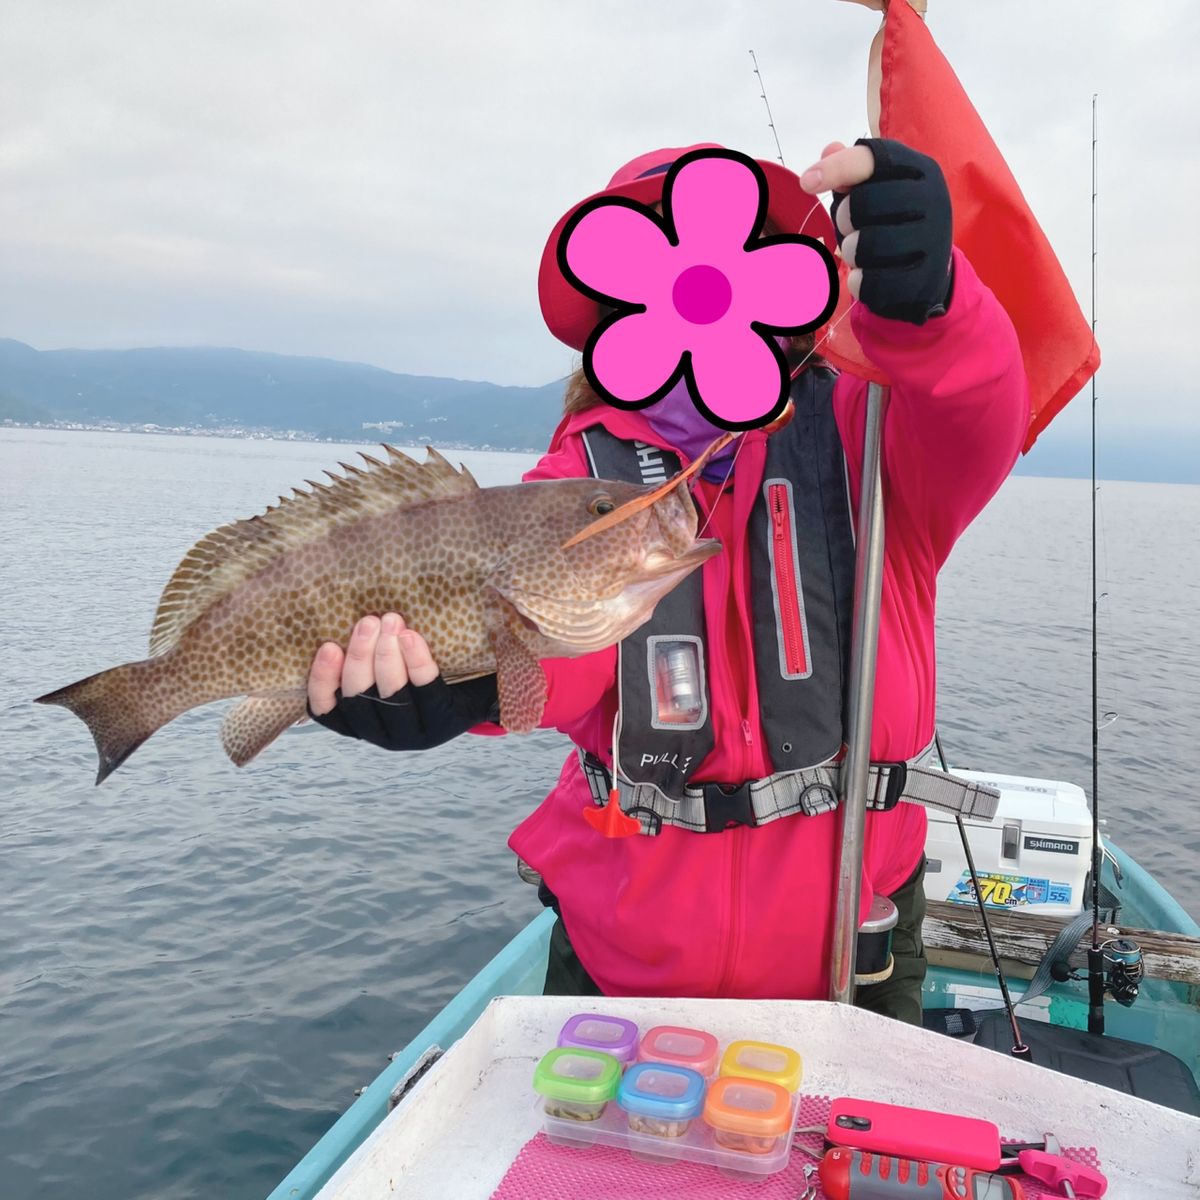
x,y
375,180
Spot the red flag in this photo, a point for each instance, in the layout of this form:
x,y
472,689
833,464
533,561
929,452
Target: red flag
x,y
923,105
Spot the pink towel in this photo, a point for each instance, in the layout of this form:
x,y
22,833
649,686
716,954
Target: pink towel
x,y
544,1171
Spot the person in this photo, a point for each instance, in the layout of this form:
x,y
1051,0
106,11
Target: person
x,y
712,718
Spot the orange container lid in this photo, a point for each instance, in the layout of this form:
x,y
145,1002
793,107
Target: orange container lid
x,y
754,1106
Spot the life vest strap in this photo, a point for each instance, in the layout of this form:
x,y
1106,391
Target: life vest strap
x,y
713,807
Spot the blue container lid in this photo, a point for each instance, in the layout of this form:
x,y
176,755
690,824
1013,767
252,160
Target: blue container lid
x,y
661,1090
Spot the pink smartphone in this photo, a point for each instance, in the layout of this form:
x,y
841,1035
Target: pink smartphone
x,y
914,1133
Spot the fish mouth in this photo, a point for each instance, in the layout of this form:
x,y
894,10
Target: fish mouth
x,y
584,626
659,563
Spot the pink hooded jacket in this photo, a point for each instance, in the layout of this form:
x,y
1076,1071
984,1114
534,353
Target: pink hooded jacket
x,y
748,912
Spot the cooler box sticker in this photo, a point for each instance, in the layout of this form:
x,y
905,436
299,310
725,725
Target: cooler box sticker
x,y
1010,891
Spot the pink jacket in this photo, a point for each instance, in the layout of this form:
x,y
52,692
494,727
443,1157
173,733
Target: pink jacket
x,y
749,912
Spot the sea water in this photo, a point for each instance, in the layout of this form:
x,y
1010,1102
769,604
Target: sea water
x,y
199,965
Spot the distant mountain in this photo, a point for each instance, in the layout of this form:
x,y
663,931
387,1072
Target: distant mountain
x,y
213,388
218,387
13,409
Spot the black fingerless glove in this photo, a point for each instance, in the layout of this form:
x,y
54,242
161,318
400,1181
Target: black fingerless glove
x,y
415,718
902,214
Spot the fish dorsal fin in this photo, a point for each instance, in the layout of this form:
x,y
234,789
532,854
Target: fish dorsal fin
x,y
228,556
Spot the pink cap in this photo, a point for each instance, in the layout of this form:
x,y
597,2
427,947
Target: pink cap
x,y
571,316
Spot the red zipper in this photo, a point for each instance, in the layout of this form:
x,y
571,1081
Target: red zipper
x,y
786,585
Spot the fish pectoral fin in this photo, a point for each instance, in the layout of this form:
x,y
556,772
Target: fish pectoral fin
x,y
256,722
519,676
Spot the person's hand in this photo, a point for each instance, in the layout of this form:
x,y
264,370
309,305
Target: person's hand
x,y
386,689
891,209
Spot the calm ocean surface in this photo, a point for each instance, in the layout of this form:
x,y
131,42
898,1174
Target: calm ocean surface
x,y
198,965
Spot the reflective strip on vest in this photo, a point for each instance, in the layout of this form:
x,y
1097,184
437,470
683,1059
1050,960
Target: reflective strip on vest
x,y
809,792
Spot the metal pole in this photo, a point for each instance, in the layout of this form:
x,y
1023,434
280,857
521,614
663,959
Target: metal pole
x,y
864,645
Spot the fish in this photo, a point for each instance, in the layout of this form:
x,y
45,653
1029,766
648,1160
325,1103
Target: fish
x,y
495,579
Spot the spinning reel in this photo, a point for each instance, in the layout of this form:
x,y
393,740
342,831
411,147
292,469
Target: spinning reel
x,y
1123,970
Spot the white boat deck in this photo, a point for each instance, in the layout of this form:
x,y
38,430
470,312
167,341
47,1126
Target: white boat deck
x,y
459,1129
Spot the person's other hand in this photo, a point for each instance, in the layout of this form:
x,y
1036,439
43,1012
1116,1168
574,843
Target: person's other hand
x,y
891,209
386,689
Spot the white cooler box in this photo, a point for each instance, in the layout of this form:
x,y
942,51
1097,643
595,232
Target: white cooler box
x,y
1034,856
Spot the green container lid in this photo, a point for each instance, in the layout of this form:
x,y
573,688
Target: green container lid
x,y
582,1076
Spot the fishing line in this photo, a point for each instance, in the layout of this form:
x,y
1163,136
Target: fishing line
x,y
737,449
829,332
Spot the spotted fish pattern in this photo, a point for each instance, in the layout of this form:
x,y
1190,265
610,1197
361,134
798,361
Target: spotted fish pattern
x,y
482,573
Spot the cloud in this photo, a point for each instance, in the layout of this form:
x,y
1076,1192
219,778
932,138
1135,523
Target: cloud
x,y
375,181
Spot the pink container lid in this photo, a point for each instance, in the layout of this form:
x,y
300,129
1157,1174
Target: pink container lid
x,y
692,1048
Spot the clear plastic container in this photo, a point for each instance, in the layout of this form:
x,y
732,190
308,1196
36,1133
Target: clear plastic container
x,y
660,1104
595,1031
748,1116
680,1047
763,1060
661,1101
576,1086
663,1114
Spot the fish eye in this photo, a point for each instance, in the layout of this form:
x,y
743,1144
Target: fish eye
x,y
601,505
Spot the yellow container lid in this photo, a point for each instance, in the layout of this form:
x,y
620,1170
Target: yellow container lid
x,y
762,1060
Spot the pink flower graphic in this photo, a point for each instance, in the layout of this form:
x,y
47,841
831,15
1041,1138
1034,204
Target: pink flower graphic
x,y
697,293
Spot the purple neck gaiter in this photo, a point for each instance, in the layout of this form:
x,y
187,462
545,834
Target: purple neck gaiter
x,y
681,424
677,420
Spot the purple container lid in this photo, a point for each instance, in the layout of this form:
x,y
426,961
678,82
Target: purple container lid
x,y
595,1031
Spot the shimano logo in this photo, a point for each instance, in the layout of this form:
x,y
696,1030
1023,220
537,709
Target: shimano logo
x,y
1050,845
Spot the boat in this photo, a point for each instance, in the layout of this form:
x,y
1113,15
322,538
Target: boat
x,y
1165,1014
460,1130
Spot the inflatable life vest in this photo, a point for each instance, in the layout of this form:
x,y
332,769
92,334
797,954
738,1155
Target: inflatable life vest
x,y
802,550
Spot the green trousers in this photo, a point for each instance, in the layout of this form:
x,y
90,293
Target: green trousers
x,y
898,996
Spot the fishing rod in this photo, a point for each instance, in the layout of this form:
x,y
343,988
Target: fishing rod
x,y
770,119
1019,1047
1114,964
1095,956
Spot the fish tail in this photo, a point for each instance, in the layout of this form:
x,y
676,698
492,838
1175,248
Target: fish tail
x,y
118,708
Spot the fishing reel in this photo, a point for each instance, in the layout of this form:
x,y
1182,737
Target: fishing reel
x,y
1124,970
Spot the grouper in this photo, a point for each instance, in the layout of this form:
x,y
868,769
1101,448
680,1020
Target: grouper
x,y
494,579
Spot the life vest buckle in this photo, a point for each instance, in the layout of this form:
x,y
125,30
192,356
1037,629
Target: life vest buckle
x,y
726,805
897,779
